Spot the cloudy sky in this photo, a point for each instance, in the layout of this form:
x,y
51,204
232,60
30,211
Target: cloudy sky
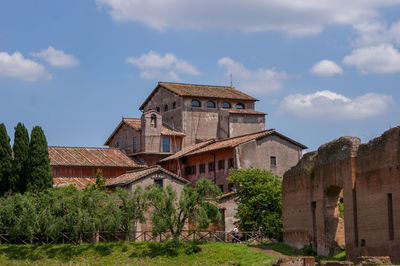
x,y
320,68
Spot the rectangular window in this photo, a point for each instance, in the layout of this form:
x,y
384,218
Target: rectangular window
x,y
221,187
221,164
230,163
190,170
211,167
166,144
202,168
272,161
134,144
390,216
118,145
230,187
158,182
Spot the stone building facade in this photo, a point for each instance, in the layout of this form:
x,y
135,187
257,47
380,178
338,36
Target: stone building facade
x,y
213,159
346,193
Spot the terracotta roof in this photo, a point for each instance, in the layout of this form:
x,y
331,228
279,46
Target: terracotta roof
x,y
197,90
135,123
229,143
82,156
79,182
226,195
187,150
132,176
244,111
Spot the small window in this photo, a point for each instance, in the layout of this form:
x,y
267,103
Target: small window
x,y
240,106
202,168
165,107
166,144
190,170
159,182
210,104
230,163
211,167
153,121
134,144
221,164
196,103
362,242
230,187
221,187
174,105
158,109
272,161
118,144
226,105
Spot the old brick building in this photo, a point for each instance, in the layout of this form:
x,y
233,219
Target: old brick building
x,y
213,159
79,165
346,193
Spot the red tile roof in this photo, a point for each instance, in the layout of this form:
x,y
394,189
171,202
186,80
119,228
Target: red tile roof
x,y
187,150
244,111
132,176
197,90
83,156
135,123
228,143
79,182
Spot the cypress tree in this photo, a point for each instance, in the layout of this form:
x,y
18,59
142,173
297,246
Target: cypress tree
x,y
5,160
20,162
39,170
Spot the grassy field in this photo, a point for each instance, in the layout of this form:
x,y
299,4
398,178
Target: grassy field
x,y
132,253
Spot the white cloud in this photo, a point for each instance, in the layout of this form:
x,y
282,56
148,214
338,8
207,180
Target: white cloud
x,y
254,81
156,66
57,58
293,17
330,105
16,66
381,59
375,32
326,68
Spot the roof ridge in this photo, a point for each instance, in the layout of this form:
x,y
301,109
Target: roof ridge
x,y
142,169
195,84
82,147
249,134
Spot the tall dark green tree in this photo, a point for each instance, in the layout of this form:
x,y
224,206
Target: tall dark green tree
x,y
5,160
20,162
39,170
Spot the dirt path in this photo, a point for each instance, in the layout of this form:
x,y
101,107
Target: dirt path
x,y
269,251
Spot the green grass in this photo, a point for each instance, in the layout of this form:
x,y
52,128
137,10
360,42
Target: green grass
x,y
289,251
135,253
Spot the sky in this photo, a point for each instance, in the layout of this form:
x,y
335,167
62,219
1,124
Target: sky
x,y
321,69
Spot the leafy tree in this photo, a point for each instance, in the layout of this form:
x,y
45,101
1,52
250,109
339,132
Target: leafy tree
x,y
20,162
259,197
5,160
100,181
39,170
195,205
133,208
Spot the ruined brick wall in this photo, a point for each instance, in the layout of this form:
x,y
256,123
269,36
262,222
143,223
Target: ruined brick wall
x,y
367,179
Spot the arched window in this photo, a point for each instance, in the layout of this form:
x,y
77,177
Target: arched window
x,y
158,109
196,103
165,107
226,105
210,104
240,106
174,105
153,121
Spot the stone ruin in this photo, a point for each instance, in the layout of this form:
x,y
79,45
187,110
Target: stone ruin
x,y
346,194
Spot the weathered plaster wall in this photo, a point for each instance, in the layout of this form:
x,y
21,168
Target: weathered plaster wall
x,y
257,153
125,137
241,124
230,211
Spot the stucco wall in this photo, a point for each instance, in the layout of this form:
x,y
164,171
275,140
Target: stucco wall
x,y
241,124
125,137
257,153
230,211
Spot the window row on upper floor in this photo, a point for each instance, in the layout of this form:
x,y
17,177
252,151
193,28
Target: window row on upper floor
x,y
211,104
166,107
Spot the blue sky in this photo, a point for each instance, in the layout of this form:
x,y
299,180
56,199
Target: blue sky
x,y
321,69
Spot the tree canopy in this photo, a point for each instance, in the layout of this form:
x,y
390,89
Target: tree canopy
x,y
5,160
20,161
39,170
259,197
